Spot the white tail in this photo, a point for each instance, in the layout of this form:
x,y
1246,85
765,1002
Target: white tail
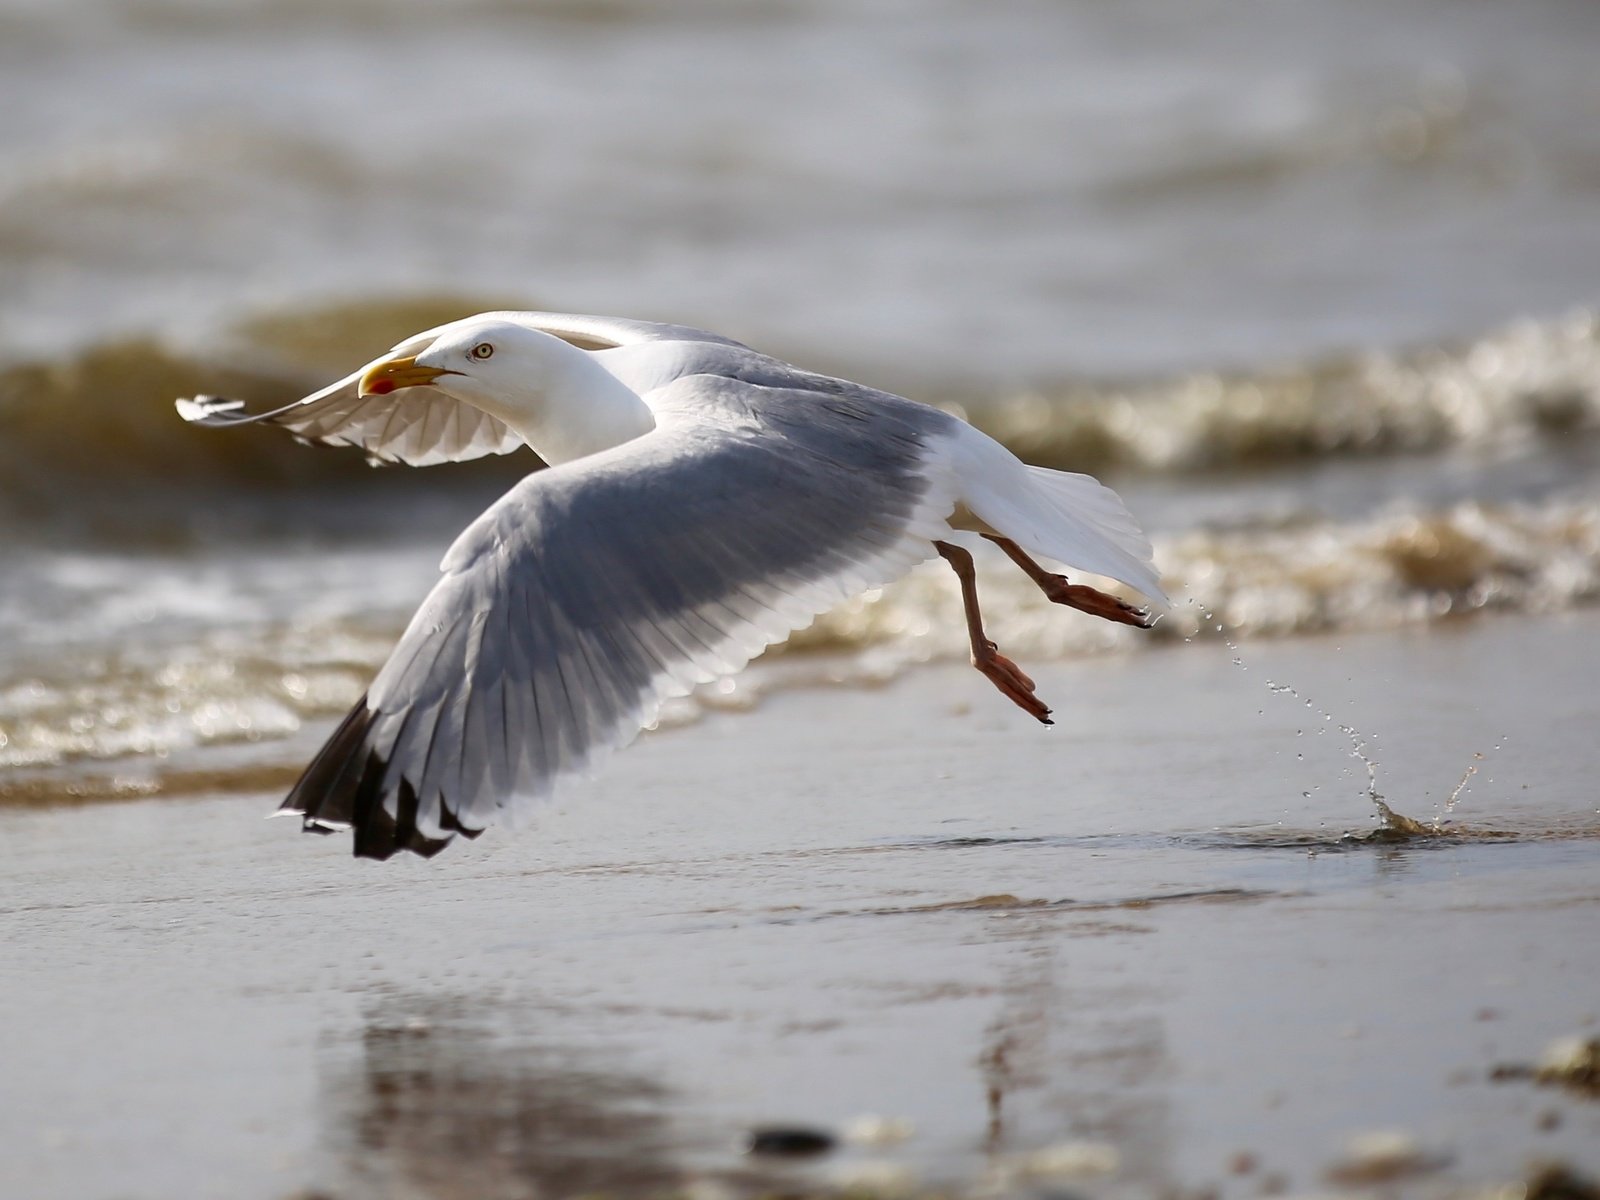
x,y
1073,519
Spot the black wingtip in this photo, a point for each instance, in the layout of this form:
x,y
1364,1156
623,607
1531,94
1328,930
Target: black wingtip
x,y
342,789
380,836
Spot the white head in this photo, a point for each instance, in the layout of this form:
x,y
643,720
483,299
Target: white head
x,y
557,396
487,360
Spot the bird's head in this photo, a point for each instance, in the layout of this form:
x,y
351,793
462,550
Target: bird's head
x,y
490,361
550,391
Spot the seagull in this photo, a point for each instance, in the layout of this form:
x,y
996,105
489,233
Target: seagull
x,y
701,502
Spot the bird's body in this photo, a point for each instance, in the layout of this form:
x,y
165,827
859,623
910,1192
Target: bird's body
x,y
703,501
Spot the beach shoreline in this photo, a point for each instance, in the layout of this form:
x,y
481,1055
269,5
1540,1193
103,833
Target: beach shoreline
x,y
1132,935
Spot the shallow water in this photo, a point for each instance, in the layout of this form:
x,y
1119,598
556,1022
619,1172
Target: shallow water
x,y
1133,931
154,666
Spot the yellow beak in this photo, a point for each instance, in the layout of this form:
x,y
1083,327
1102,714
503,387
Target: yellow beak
x,y
397,373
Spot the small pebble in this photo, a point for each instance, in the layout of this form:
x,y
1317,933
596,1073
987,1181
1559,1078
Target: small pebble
x,y
877,1179
1557,1181
1071,1159
1574,1061
873,1130
706,1189
790,1141
1380,1156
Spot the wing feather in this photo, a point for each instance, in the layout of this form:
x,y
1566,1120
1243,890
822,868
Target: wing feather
x,y
591,593
421,427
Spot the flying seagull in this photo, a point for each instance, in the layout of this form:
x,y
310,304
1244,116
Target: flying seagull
x,y
702,502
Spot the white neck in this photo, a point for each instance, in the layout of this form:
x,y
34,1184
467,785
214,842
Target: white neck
x,y
580,409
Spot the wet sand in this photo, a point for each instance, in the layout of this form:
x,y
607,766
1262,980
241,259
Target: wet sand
x,y
1133,955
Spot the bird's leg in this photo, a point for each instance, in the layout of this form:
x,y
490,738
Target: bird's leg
x,y
996,667
1074,595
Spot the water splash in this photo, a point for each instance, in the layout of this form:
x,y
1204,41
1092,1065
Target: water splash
x,y
1360,743
1457,792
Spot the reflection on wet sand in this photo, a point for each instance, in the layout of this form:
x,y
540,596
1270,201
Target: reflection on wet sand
x,y
449,1099
1081,1060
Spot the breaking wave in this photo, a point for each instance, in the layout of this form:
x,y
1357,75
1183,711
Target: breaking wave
x,y
137,709
1528,382
93,449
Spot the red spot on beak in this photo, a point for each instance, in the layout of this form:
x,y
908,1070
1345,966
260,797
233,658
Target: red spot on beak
x,y
380,387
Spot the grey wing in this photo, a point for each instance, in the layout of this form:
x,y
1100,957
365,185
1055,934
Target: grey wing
x,y
592,592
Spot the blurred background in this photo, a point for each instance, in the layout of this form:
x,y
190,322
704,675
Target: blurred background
x,y
1311,281
995,193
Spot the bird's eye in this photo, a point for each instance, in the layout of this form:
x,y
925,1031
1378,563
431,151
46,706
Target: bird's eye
x,y
482,350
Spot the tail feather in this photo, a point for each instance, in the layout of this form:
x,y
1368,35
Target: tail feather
x,y
1072,519
1084,501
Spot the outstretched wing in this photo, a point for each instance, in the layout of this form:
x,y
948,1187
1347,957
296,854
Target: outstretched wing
x,y
421,427
593,591
416,426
